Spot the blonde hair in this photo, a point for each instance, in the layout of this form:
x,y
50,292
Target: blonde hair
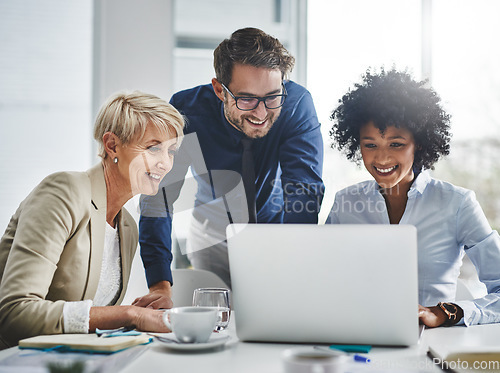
x,y
127,114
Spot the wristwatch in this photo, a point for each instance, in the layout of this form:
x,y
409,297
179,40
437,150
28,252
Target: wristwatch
x,y
451,311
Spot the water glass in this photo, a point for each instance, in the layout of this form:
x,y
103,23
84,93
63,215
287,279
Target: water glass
x,y
216,298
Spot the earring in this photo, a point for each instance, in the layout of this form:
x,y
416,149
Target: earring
x,y
115,160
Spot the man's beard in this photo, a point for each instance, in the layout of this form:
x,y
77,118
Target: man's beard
x,y
242,124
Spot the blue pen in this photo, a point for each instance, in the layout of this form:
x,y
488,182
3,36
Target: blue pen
x,y
361,359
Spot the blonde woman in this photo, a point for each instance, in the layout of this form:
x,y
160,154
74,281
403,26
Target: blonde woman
x,y
66,254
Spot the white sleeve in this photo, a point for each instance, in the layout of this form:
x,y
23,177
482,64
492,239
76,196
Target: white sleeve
x,y
76,316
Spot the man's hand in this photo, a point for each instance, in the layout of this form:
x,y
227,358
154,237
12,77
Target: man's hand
x,y
160,296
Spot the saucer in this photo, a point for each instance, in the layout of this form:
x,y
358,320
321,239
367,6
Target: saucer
x,y
169,340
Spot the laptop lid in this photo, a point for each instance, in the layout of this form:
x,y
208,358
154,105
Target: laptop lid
x,y
305,283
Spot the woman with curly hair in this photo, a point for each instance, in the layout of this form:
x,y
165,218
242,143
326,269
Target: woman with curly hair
x,y
398,128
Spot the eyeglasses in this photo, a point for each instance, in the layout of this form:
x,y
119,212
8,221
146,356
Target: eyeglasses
x,y
250,103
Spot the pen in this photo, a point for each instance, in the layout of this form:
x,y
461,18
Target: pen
x,y
107,333
361,359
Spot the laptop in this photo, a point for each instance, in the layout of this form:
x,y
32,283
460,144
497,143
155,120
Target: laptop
x,y
305,283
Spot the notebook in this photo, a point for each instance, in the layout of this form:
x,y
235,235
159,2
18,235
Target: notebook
x,y
466,358
304,283
84,342
472,349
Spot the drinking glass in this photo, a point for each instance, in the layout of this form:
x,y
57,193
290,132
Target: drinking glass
x,y
216,298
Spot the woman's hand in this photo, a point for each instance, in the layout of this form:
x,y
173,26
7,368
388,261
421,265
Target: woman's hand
x,y
435,316
112,317
431,316
148,320
160,296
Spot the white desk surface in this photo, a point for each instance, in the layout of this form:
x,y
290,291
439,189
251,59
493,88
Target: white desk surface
x,y
250,357
244,357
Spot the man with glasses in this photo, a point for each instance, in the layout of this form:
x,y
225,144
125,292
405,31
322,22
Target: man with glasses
x,y
252,122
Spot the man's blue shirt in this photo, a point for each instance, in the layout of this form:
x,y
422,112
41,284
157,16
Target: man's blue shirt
x,y
288,168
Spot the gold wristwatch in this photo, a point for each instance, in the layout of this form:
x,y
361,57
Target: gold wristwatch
x,y
451,311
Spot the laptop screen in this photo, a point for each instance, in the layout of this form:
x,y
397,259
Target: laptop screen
x,y
325,283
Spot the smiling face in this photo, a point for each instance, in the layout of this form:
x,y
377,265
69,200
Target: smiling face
x,y
144,162
251,81
388,157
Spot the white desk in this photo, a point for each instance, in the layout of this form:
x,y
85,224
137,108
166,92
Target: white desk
x,y
266,357
244,357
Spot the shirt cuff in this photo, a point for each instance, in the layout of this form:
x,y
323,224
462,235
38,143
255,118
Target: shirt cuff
x,y
157,272
470,313
76,316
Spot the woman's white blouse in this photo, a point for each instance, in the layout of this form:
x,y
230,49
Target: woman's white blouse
x,y
76,314
450,223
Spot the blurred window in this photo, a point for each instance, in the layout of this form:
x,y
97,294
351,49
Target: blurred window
x,y
451,42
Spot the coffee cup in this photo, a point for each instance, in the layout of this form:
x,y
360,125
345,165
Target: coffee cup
x,y
310,360
191,324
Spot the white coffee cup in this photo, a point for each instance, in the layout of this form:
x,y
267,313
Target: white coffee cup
x,y
191,324
310,360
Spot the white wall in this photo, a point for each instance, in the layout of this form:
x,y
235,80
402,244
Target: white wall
x,y
133,42
45,94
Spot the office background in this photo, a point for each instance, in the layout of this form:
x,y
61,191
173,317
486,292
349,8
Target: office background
x,y
60,59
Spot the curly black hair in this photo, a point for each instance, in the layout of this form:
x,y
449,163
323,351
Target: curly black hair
x,y
392,98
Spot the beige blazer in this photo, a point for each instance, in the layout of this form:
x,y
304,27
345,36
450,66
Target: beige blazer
x,y
51,252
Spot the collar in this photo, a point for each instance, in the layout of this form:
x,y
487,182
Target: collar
x,y
418,185
98,186
97,227
370,187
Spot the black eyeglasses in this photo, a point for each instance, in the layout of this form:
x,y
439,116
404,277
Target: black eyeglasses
x,y
250,103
